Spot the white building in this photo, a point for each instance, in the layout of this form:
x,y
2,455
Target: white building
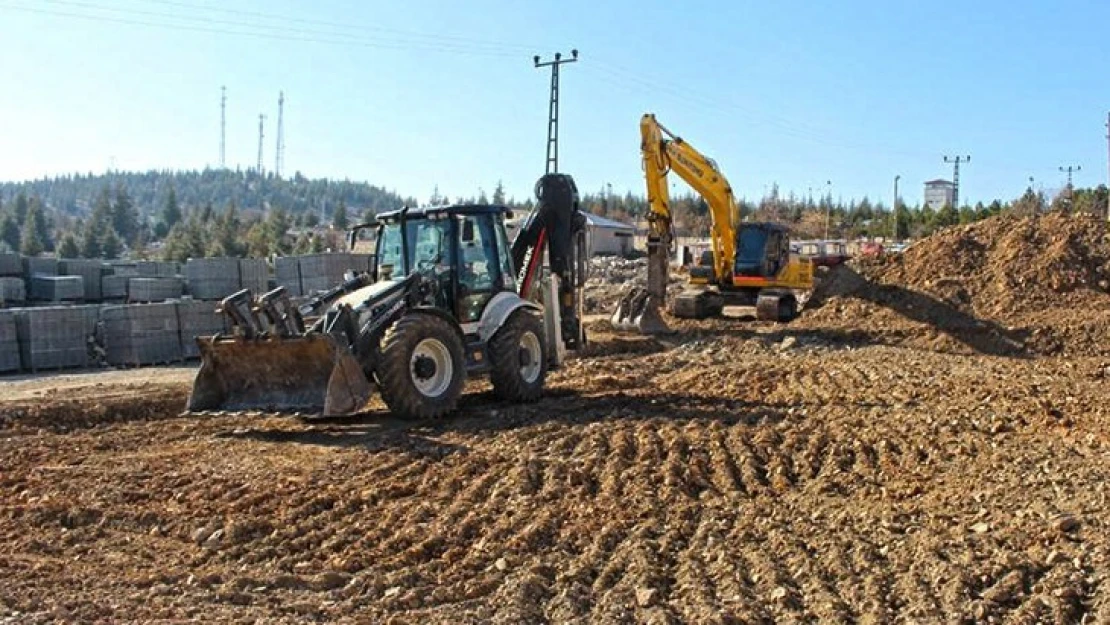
x,y
938,193
604,236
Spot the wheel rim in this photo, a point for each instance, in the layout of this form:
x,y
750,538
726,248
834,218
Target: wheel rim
x,y
431,367
531,357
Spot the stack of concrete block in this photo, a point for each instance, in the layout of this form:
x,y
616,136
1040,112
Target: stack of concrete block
x,y
254,274
113,288
55,337
157,269
287,273
12,291
212,278
154,289
9,342
128,268
141,334
39,266
197,318
321,272
364,263
46,288
11,265
91,272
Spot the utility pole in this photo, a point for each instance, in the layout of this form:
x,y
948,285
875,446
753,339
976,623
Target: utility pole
x,y
279,153
1067,190
553,108
223,127
894,211
956,178
261,120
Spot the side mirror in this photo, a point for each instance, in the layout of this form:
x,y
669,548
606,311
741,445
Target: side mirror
x,y
468,231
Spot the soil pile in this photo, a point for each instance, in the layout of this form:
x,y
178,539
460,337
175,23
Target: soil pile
x,y
1005,285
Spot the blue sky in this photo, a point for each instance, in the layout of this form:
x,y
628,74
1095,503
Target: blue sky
x,y
414,94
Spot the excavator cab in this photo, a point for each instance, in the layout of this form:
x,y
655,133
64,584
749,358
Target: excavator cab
x,y
762,250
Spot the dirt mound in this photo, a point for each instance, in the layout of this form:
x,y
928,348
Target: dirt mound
x,y
1006,285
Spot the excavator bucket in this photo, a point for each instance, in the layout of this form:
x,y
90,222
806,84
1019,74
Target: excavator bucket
x,y
637,311
308,374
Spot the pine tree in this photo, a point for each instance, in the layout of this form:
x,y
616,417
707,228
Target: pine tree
x,y
43,225
339,219
499,194
20,209
31,243
9,231
67,247
171,212
206,214
125,217
110,245
225,234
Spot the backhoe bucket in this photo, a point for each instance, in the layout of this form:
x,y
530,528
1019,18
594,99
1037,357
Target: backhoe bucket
x,y
308,374
637,311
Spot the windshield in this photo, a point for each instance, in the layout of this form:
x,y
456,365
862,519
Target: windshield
x,y
426,240
752,242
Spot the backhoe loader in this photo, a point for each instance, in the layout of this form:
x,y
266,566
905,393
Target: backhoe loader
x,y
449,298
749,264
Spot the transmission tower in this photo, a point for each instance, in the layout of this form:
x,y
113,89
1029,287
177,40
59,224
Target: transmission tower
x,y
956,178
1068,170
261,120
553,108
223,127
279,157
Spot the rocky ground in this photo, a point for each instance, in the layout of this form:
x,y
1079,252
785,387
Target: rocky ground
x,y
893,456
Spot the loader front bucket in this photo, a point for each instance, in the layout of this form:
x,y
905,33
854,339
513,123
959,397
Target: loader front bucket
x,y
637,311
308,374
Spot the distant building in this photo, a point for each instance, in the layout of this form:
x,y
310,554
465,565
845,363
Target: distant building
x,y
604,237
938,193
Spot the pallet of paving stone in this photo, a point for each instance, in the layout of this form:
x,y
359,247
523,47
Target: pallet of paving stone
x,y
154,289
141,334
321,272
212,278
11,264
254,274
45,288
197,318
92,273
113,288
287,273
157,269
12,291
9,342
364,262
55,337
39,266
129,268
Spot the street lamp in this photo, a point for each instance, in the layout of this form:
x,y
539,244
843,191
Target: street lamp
x,y
894,212
828,207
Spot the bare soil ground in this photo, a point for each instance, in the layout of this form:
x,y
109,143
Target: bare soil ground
x,y
898,470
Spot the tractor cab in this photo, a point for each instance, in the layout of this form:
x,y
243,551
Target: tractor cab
x,y
463,250
762,250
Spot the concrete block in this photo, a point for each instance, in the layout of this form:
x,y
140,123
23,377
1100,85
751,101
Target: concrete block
x,y
127,268
55,337
254,274
11,264
39,265
287,273
212,278
320,272
141,334
91,272
12,291
113,288
56,288
197,318
9,342
154,289
157,269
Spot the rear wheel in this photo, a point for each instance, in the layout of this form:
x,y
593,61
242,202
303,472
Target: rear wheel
x,y
518,357
422,368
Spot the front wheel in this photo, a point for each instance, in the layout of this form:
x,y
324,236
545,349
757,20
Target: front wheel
x,y
518,356
422,368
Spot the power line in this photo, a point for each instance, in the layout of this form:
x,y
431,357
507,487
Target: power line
x,y
553,108
218,26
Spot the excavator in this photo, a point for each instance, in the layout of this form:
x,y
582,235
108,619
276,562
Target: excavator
x,y
449,298
749,263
